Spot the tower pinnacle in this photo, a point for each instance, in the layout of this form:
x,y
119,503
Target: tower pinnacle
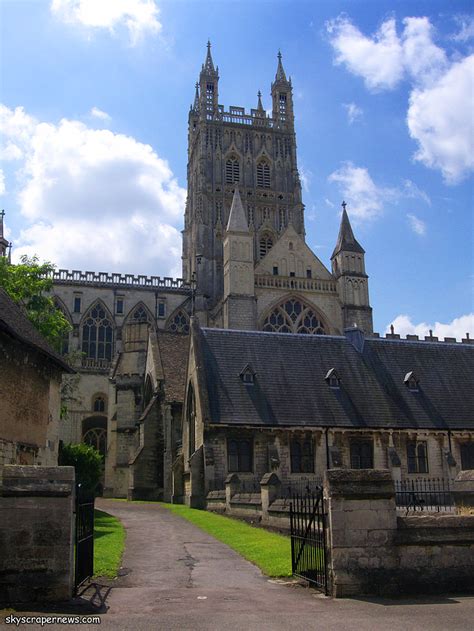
x,y
209,64
237,219
280,73
346,240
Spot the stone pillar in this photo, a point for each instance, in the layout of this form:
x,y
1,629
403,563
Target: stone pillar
x,y
36,533
270,486
362,528
232,486
463,489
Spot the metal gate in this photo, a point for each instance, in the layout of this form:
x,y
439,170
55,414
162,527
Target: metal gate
x,y
308,537
84,553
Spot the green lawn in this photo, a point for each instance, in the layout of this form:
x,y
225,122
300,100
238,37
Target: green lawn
x,y
109,541
269,551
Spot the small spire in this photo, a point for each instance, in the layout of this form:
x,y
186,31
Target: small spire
x,y
196,98
209,64
346,240
280,73
2,215
237,219
259,105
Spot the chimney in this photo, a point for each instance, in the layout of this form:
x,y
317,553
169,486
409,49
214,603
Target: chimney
x,y
356,337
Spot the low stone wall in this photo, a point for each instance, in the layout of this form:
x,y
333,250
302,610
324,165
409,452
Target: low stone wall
x,y
36,533
372,551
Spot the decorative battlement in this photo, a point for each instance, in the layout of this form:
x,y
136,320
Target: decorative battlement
x,y
291,282
238,115
427,338
105,279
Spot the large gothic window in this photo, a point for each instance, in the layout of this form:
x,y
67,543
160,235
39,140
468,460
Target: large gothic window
x,y
294,316
263,174
179,322
232,171
265,244
97,334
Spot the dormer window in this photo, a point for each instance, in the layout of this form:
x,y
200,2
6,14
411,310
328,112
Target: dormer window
x,y
248,375
332,378
412,382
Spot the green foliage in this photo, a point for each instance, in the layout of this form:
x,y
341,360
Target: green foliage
x,y
87,462
269,551
109,542
28,284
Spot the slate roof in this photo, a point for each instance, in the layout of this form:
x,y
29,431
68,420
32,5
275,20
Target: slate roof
x,y
14,322
174,350
290,389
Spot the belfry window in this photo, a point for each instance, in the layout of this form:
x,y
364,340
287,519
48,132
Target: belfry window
x,y
294,316
232,171
282,105
263,174
265,244
97,334
210,96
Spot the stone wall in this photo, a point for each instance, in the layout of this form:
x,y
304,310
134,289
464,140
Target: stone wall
x,y
372,551
36,533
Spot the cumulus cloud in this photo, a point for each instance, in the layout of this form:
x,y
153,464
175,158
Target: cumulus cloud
x,y
378,60
364,198
100,114
416,224
457,328
439,117
94,198
353,111
139,17
305,176
2,183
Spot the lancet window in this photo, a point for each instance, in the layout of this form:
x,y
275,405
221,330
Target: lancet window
x,y
232,171
265,244
263,174
97,334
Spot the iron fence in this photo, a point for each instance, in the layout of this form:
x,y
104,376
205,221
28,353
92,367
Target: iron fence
x,y
424,494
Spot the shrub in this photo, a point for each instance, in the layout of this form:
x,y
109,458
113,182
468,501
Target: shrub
x,y
87,462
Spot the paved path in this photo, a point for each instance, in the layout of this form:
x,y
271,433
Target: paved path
x,y
181,578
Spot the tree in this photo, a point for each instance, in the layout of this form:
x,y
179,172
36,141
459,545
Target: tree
x,y
28,284
87,462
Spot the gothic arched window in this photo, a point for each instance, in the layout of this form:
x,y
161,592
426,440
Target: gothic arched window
x,y
232,170
139,314
294,316
99,403
265,244
97,333
263,174
94,433
179,322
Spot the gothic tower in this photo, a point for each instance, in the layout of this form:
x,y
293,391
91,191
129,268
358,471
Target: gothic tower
x,y
348,267
234,148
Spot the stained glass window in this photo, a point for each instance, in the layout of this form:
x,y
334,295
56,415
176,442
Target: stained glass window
x,y
294,316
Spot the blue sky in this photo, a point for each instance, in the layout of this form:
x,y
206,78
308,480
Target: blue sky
x,y
95,96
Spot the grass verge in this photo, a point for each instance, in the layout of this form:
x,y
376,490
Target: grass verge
x,y
109,542
269,551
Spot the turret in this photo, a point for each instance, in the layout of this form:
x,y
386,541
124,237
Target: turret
x,y
239,305
282,97
208,87
348,267
5,246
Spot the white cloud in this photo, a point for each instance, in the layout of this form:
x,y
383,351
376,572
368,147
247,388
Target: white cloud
x,y
439,116
2,183
305,177
412,191
354,112
403,325
417,225
364,198
466,28
140,17
93,198
329,203
378,60
440,119
100,114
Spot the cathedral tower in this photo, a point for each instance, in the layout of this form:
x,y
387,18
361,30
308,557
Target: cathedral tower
x,y
348,267
229,148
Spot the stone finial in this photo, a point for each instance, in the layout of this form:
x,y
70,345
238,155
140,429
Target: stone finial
x,y
392,329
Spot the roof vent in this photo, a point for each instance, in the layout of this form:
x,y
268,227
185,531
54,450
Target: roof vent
x,y
356,337
411,381
248,375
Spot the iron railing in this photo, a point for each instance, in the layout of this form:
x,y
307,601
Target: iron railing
x,y
424,494
84,548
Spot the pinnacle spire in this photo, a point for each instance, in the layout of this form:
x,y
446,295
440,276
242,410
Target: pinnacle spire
x,y
196,98
237,219
209,64
346,240
259,105
280,73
